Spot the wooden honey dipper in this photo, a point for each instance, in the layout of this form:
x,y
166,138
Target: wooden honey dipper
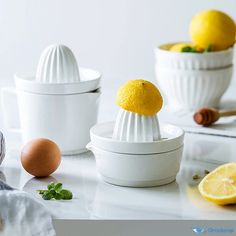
x,y
207,116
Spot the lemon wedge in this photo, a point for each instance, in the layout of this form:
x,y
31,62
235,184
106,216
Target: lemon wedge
x,y
219,186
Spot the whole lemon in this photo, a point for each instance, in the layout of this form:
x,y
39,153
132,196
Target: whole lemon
x,y
213,28
139,96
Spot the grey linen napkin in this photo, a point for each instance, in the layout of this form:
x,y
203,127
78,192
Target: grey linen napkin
x,y
21,214
2,147
4,186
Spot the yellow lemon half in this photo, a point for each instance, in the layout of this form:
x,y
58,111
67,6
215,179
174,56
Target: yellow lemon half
x,y
139,96
178,47
219,186
213,28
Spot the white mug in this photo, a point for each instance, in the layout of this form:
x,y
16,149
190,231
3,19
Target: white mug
x,y
64,118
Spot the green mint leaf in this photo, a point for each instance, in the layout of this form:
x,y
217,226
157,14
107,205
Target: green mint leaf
x,y
190,49
41,191
209,48
66,194
47,196
55,191
186,49
58,196
51,186
58,187
52,192
194,50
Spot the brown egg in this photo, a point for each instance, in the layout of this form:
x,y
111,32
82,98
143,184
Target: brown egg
x,y
40,157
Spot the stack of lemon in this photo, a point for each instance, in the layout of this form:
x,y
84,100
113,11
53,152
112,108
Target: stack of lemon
x,y
196,74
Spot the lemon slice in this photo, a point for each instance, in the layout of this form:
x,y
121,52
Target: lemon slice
x,y
139,96
219,186
179,47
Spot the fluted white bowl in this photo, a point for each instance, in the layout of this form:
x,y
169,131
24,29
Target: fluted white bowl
x,y
57,64
192,89
192,61
132,127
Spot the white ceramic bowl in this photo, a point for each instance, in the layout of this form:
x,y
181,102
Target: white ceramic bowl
x,y
138,170
192,61
139,164
191,89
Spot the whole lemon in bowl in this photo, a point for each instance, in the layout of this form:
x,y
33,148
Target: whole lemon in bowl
x,y
213,28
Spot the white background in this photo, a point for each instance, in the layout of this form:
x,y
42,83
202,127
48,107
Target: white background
x,y
115,37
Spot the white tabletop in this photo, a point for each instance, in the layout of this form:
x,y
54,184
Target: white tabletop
x,y
95,199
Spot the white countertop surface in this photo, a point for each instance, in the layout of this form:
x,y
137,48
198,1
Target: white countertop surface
x,y
95,199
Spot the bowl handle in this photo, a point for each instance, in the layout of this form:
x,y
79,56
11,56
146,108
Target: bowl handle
x,y
89,146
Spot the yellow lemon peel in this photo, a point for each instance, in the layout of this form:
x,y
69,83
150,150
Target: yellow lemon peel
x,y
219,186
214,28
140,96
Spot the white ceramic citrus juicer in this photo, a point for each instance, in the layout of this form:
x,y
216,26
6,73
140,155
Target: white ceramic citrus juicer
x,y
60,102
57,64
132,127
135,150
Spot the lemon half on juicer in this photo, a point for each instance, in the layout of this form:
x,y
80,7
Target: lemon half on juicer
x,y
139,101
140,96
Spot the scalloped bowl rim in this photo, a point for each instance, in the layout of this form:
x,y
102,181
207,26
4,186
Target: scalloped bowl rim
x,y
165,48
